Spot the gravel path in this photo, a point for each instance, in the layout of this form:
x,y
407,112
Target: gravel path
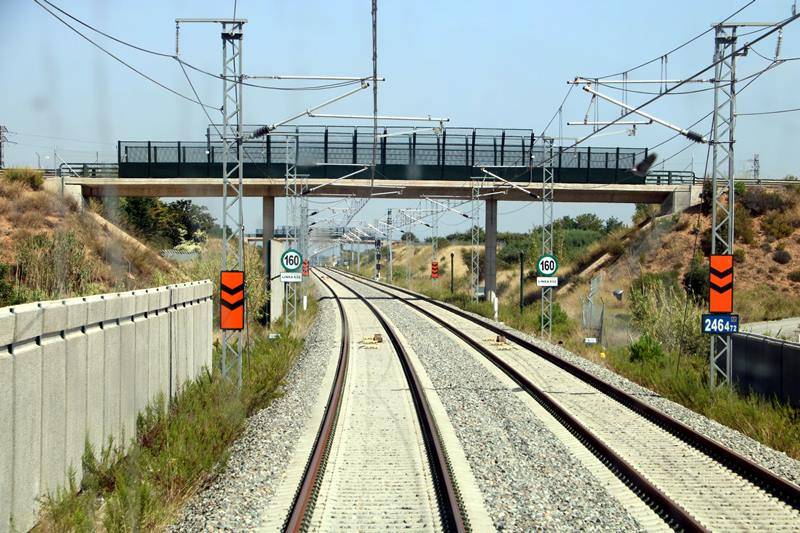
x,y
235,500
528,478
777,462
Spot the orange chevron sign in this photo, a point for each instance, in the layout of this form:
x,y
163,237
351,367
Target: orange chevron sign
x,y
231,300
721,284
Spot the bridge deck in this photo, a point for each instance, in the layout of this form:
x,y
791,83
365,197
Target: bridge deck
x,y
259,187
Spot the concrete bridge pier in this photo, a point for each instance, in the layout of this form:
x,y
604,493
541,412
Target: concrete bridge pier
x,y
490,247
268,228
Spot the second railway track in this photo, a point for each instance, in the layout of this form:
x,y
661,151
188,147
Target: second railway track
x,y
692,482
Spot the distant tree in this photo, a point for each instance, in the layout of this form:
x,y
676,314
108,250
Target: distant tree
x,y
167,224
409,237
613,224
194,218
589,222
138,213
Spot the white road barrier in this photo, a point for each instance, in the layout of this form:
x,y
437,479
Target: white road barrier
x,y
80,370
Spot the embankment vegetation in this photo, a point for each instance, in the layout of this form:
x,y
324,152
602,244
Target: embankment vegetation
x,y
179,445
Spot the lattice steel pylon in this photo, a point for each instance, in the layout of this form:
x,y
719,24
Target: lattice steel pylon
x,y
294,199
232,175
722,189
475,238
547,232
389,235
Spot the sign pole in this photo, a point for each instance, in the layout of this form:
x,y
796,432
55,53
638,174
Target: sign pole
x,y
452,269
521,280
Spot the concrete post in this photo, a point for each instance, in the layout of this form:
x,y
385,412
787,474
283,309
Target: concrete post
x,y
490,247
267,225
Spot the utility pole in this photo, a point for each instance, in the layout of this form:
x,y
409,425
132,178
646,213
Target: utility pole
x,y
475,237
547,234
756,168
722,189
390,274
3,140
232,138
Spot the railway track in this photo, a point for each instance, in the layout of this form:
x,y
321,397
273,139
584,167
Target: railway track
x,y
689,480
377,461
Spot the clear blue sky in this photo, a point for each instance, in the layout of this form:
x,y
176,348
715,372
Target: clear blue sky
x,y
483,64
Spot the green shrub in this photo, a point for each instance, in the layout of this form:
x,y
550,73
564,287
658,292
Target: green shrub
x,y
31,177
645,349
781,256
759,200
794,275
743,226
670,316
667,279
706,198
778,225
739,256
739,188
695,281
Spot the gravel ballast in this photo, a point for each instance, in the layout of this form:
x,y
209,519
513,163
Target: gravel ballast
x,y
776,461
235,500
528,477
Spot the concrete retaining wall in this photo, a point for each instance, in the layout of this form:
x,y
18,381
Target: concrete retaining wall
x,y
82,369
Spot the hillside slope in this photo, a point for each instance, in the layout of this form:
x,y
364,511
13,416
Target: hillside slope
x,y
49,248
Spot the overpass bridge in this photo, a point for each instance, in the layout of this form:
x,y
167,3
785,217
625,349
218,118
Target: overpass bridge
x,y
408,166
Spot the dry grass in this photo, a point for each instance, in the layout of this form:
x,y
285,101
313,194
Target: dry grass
x,y
113,263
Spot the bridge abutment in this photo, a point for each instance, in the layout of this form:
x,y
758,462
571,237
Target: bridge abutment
x,y
490,247
681,200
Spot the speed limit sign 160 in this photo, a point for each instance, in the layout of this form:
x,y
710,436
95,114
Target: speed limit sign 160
x,y
291,260
547,265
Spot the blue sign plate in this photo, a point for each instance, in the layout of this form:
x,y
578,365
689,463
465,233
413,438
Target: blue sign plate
x,y
719,324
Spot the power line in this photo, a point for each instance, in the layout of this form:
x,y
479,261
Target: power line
x,y
175,57
775,112
560,107
62,138
131,67
697,74
690,41
753,77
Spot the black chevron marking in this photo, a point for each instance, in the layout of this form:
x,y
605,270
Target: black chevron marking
x,y
721,288
721,273
231,290
232,306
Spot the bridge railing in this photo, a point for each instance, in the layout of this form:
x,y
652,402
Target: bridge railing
x,y
319,145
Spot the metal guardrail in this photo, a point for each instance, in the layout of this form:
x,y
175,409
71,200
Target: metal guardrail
x,y
347,145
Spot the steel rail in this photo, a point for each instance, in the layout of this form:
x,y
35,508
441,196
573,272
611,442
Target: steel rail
x,y
449,501
754,473
306,493
775,485
671,511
